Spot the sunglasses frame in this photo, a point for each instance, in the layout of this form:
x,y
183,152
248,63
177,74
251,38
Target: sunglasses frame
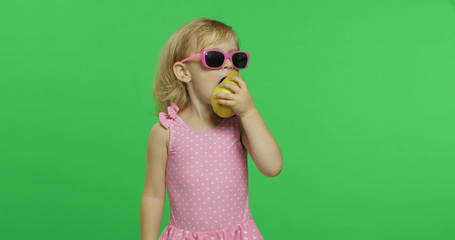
x,y
226,56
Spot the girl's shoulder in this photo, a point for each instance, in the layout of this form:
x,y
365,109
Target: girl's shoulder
x,y
159,135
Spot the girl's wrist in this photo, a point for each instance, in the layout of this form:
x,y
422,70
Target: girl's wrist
x,y
249,114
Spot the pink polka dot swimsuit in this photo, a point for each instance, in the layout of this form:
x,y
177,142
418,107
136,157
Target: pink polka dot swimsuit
x,y
207,182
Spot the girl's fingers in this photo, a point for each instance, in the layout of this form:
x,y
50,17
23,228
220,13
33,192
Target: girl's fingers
x,y
228,96
230,86
226,102
239,81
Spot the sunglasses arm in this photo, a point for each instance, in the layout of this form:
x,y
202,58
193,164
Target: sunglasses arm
x,y
191,58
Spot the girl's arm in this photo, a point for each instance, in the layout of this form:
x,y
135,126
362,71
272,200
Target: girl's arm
x,y
154,194
260,143
255,135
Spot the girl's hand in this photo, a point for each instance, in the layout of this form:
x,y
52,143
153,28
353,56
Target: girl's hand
x,y
240,100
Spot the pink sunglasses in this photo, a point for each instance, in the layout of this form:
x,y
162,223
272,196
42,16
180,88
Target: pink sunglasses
x,y
215,59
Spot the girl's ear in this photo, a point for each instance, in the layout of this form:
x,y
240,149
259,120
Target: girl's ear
x,y
181,72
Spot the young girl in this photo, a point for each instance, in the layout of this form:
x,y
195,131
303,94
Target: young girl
x,y
200,157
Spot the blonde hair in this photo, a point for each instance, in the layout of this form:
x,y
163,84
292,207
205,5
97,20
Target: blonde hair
x,y
191,37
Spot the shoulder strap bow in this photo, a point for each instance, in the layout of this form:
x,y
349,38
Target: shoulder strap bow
x,y
167,119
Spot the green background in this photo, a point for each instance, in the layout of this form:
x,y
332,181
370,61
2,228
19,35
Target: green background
x,y
358,94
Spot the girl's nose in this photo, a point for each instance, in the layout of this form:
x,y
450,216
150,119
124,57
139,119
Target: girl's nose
x,y
228,64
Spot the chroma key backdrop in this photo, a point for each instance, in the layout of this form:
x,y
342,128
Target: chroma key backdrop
x,y
359,96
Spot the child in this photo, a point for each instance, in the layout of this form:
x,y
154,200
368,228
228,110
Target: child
x,y
200,157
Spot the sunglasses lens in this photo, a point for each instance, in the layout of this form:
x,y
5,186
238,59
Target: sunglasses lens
x,y
214,59
240,60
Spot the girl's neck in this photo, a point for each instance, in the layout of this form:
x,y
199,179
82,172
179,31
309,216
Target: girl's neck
x,y
199,116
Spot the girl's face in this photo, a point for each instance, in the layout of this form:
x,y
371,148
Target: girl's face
x,y
204,80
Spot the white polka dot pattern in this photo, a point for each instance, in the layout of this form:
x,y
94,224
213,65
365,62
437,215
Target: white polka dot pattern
x,y
207,182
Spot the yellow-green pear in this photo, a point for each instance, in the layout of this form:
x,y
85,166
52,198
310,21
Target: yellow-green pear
x,y
223,111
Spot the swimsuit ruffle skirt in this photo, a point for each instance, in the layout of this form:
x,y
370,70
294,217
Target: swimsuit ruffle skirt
x,y
207,182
